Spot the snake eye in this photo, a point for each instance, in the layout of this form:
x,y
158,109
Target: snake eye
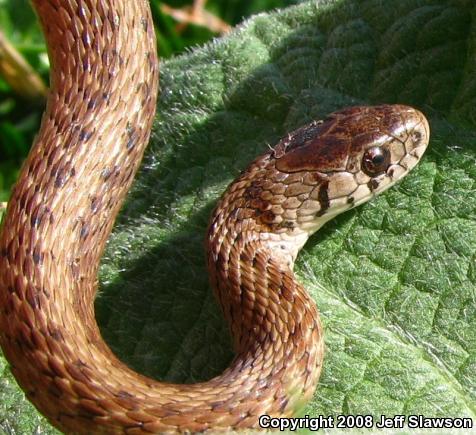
x,y
375,161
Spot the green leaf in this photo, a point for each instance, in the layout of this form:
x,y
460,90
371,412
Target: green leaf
x,y
395,280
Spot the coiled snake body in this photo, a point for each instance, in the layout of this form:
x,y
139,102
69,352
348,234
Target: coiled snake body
x,y
97,123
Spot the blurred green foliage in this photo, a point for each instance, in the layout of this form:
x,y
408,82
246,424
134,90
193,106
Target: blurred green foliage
x,y
19,119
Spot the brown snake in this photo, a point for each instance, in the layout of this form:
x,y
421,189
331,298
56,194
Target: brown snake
x,y
92,137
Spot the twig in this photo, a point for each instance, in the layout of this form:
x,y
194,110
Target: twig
x,y
198,15
18,73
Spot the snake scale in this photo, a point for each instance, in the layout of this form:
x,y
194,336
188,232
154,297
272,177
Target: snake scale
x,y
104,83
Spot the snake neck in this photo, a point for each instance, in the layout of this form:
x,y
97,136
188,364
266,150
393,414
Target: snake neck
x,y
268,310
270,316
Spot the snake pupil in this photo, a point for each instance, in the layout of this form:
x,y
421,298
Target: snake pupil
x,y
375,161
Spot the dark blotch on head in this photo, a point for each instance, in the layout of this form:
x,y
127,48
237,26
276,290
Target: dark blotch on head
x,y
259,205
267,217
373,184
300,137
253,191
323,198
287,224
322,153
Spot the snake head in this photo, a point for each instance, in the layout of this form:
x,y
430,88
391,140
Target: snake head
x,y
354,154
367,138
323,169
